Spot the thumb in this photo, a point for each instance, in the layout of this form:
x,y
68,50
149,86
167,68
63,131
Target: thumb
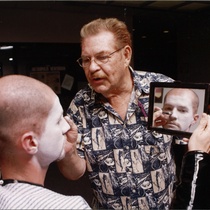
x,y
203,122
71,123
72,133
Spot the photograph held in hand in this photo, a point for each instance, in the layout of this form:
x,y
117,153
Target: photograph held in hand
x,y
175,108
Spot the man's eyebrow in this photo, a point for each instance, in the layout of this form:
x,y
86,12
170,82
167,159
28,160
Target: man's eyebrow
x,y
98,53
183,107
102,52
167,105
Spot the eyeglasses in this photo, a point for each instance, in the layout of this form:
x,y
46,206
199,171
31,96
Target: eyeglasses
x,y
99,59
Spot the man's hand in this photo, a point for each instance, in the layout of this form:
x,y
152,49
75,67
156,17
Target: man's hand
x,y
72,134
72,166
158,117
200,139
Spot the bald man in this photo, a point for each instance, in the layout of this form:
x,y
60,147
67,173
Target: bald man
x,y
33,134
180,109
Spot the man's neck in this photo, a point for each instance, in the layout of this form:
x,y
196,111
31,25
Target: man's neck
x,y
31,175
15,181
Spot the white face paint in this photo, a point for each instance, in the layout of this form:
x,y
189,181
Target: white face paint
x,y
53,139
182,117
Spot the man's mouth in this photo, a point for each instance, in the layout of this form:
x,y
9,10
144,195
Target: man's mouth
x,y
96,79
171,126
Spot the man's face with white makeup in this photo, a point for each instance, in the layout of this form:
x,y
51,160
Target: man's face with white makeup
x,y
53,139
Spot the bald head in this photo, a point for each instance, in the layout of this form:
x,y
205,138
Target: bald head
x,y
24,105
185,93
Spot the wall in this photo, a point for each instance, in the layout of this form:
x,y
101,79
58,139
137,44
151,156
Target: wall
x,y
50,21
193,48
183,55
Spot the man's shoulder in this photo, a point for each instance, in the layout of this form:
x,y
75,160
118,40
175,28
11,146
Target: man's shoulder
x,y
13,196
142,79
150,73
152,76
85,95
85,91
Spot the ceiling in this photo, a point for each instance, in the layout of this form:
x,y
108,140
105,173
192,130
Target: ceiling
x,y
182,6
173,6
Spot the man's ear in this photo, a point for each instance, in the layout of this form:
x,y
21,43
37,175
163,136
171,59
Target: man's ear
x,y
127,54
29,142
196,117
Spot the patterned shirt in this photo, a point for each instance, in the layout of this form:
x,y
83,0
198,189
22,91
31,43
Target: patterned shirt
x,y
129,166
30,196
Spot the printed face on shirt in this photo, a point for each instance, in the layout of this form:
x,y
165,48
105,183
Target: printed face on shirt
x,y
53,139
106,77
179,103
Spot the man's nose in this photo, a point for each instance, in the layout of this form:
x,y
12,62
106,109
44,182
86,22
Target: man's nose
x,y
93,65
173,113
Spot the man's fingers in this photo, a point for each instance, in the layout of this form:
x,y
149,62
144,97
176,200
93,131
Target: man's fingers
x,y
200,139
203,122
71,123
185,140
156,108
